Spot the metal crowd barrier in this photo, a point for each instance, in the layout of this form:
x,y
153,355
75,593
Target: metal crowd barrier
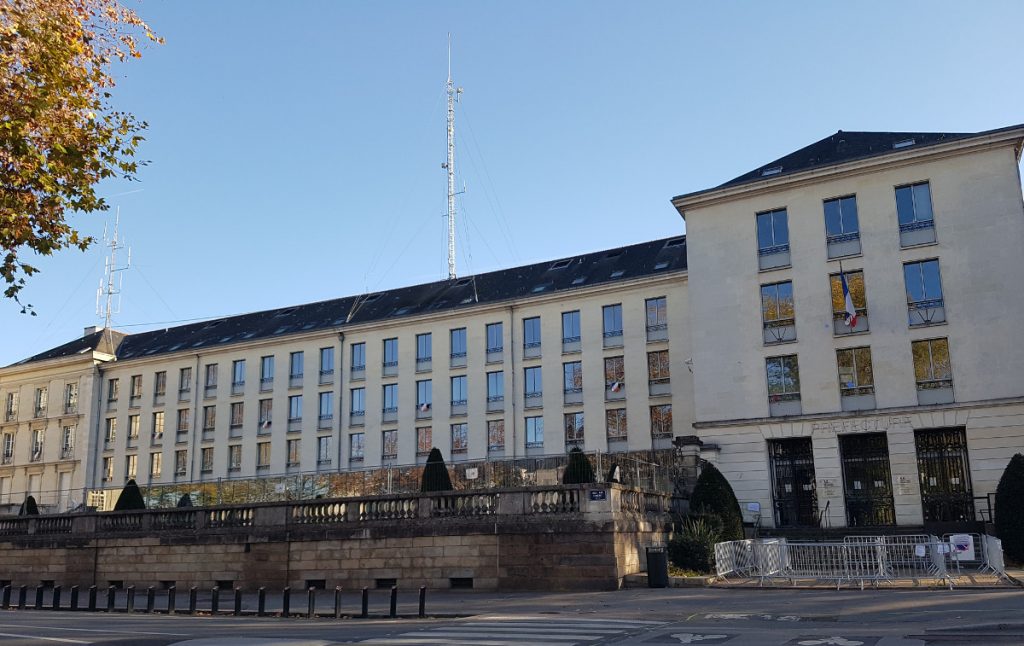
x,y
862,559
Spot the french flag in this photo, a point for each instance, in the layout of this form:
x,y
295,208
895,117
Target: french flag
x,y
851,311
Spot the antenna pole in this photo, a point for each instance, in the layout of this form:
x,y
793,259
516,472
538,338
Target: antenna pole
x,y
110,284
449,165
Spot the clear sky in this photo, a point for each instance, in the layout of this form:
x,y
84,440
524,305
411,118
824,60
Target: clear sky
x,y
296,147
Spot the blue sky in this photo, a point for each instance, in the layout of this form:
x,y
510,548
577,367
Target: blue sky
x,y
296,147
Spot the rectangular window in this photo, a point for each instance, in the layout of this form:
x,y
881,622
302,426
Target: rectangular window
x,y
294,448
571,327
914,212
323,450
110,432
661,421
237,374
266,414
773,239
389,444
390,398
181,462
424,348
108,469
159,384
843,323
131,467
574,428
184,418
783,385
134,424
531,332
11,407
184,381
534,386
326,407
933,371
296,365
614,373
424,442
390,352
211,376
855,376
657,318
266,372
424,395
40,401
295,408
612,324
572,374
209,418
615,422
112,388
925,305
206,459
8,447
234,457
326,362
136,387
37,444
534,432
842,230
237,414
356,446
358,356
778,314
658,367
495,333
459,391
156,464
263,455
458,342
158,426
460,438
358,398
67,442
495,386
495,434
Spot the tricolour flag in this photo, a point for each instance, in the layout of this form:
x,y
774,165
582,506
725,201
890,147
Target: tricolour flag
x,y
616,386
851,311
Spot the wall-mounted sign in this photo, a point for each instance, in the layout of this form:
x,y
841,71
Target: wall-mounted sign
x,y
865,425
472,473
598,494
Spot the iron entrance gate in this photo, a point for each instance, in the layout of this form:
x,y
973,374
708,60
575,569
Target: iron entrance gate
x,y
793,487
946,493
867,482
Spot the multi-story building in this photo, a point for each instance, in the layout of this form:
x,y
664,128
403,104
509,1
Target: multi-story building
x,y
902,408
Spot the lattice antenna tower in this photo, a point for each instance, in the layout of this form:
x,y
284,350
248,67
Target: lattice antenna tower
x,y
108,296
449,165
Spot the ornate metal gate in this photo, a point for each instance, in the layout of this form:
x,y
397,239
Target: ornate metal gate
x,y
793,486
867,481
946,493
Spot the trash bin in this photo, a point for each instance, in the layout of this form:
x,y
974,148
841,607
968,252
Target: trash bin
x,y
657,567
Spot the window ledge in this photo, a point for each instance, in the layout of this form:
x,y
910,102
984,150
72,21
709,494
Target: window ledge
x,y
933,243
849,334
927,325
775,343
771,269
859,254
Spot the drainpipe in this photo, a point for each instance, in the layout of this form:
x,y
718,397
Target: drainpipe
x,y
100,415
512,354
339,371
195,422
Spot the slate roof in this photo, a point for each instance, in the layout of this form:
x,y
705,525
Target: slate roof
x,y
565,274
97,341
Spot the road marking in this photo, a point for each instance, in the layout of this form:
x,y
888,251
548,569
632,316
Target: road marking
x,y
573,619
534,628
49,639
97,630
499,633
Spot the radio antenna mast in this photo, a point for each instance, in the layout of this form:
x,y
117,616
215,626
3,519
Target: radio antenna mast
x,y
453,96
110,284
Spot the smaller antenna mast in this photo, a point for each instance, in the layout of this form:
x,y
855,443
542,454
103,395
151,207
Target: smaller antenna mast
x,y
113,278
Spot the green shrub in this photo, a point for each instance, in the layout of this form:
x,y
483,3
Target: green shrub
x,y
185,500
578,471
693,547
714,496
29,507
435,473
1009,508
130,498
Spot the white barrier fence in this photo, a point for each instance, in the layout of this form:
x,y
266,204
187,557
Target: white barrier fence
x,y
863,559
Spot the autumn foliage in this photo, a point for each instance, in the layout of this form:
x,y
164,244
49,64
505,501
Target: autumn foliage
x,y
59,132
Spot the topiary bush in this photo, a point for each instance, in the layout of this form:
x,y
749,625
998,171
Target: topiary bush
x,y
693,547
435,473
578,470
130,498
29,507
1009,508
714,496
185,500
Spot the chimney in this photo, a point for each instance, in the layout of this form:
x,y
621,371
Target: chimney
x,y
91,329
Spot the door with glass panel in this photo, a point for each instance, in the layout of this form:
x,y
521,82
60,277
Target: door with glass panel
x,y
867,480
793,487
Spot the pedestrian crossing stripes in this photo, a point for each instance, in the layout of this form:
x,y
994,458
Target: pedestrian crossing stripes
x,y
502,631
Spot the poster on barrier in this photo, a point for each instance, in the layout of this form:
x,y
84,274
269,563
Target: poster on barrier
x,y
962,547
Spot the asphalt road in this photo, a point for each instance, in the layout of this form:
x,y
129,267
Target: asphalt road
x,y
655,617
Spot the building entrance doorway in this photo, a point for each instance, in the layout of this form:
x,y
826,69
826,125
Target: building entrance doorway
x,y
867,480
947,498
793,488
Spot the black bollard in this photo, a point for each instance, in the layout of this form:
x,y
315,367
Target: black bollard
x,y
366,603
92,598
111,595
261,602
394,601
129,605
74,597
150,599
22,595
39,597
337,602
215,600
192,593
286,602
171,592
238,601
6,602
311,603
56,598
423,601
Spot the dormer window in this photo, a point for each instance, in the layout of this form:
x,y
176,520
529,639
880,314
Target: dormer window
x,y
903,144
774,170
561,264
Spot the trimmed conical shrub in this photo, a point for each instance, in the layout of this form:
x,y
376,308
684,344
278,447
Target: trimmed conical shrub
x,y
185,500
713,496
578,471
435,473
1009,508
614,474
130,498
29,507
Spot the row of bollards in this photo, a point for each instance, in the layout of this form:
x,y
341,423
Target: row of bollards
x,y
193,593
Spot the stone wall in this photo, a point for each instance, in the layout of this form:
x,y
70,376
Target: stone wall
x,y
563,538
